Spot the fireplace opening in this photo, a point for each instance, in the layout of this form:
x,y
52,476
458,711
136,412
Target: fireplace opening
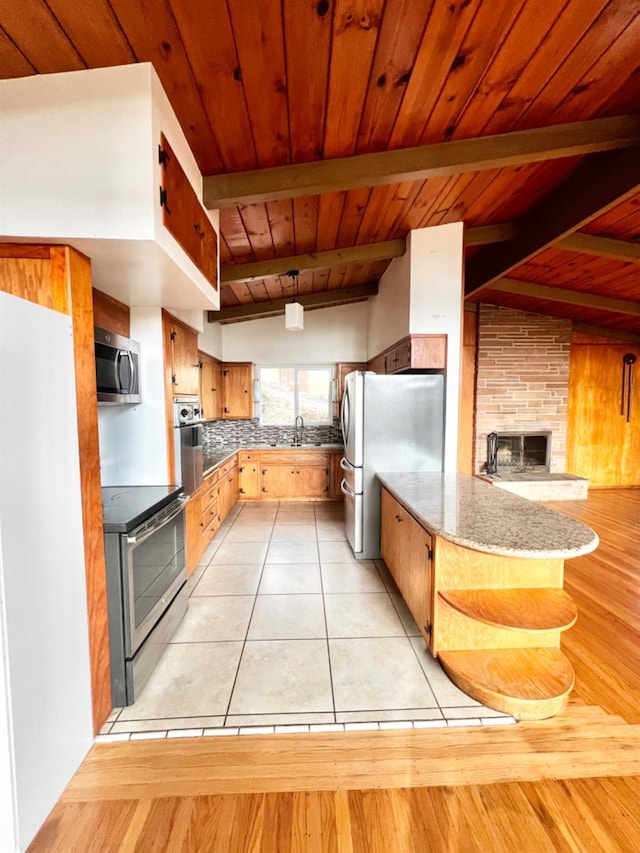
x,y
518,452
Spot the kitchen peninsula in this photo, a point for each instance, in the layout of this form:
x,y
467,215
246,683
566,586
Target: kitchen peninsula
x,y
482,572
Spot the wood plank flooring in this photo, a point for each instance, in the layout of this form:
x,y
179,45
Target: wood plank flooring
x,y
604,644
570,783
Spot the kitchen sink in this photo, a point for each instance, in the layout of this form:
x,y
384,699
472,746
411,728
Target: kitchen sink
x,y
298,444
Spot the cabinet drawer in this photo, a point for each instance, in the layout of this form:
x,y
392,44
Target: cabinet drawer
x,y
210,520
223,470
208,497
210,480
246,456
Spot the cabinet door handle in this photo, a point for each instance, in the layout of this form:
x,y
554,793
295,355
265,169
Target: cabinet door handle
x,y
628,360
399,518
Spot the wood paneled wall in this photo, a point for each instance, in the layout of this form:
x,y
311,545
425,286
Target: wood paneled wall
x,y
59,278
466,422
601,444
110,314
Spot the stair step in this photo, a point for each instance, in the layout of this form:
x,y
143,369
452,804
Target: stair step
x,y
525,609
529,684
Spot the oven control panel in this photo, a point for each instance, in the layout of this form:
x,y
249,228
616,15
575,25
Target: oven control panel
x,y
186,410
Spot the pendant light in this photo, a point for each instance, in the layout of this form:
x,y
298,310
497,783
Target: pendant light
x,y
294,311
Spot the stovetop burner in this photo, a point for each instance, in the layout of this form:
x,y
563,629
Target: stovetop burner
x,y
125,507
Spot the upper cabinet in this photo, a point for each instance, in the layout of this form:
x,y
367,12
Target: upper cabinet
x,y
185,362
415,352
238,390
211,388
343,369
101,192
184,216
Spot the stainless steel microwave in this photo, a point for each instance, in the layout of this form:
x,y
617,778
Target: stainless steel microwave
x,y
117,368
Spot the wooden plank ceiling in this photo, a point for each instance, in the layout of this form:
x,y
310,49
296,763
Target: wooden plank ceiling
x,y
280,83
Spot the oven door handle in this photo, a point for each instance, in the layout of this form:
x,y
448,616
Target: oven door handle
x,y
146,532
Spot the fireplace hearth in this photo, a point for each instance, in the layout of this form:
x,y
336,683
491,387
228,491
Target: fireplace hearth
x,y
513,452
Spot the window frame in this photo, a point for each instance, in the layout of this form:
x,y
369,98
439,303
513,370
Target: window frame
x,y
330,367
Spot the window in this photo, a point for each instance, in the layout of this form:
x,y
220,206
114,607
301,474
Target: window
x,y
286,392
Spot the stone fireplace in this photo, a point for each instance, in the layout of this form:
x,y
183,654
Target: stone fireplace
x,y
515,453
522,394
522,389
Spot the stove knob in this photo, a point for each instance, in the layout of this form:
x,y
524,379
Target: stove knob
x,y
184,413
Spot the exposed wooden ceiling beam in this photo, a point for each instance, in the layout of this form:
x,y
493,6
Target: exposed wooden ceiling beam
x,y
426,161
601,182
365,254
604,247
482,235
571,297
310,300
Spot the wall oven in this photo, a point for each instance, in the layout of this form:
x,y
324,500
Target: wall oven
x,y
187,422
146,574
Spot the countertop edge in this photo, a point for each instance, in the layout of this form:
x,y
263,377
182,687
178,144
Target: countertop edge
x,y
489,547
242,447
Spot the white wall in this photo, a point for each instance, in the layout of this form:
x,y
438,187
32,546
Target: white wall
x,y
82,137
45,643
436,306
133,438
210,340
80,166
389,310
329,335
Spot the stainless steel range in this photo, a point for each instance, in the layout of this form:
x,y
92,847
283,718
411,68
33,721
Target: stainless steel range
x,y
146,572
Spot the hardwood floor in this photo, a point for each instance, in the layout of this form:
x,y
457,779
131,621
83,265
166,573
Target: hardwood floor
x,y
604,644
570,783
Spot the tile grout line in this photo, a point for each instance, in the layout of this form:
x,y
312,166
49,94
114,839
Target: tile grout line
x,y
244,643
278,728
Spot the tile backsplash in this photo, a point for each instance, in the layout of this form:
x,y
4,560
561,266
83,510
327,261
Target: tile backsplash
x,y
246,432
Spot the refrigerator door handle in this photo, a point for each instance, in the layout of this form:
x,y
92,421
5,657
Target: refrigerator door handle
x,y
346,490
345,465
344,415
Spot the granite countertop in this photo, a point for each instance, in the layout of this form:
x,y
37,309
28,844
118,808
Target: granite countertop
x,y
477,515
218,456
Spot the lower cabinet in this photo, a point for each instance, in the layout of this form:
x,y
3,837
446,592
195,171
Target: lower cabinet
x,y
297,474
407,549
248,475
298,479
207,509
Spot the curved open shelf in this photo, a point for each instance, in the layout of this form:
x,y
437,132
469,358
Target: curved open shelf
x,y
529,684
526,609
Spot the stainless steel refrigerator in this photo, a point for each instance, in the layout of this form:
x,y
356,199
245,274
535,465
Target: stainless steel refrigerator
x,y
389,424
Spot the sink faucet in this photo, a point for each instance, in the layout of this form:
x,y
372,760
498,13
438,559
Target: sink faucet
x,y
297,430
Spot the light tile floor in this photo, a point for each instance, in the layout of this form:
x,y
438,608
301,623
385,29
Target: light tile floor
x,y
286,631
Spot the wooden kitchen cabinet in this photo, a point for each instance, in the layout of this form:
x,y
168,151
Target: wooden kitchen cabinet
x,y
299,482
294,474
184,217
249,476
377,364
182,357
227,489
407,549
415,352
208,507
342,370
335,493
211,394
238,390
